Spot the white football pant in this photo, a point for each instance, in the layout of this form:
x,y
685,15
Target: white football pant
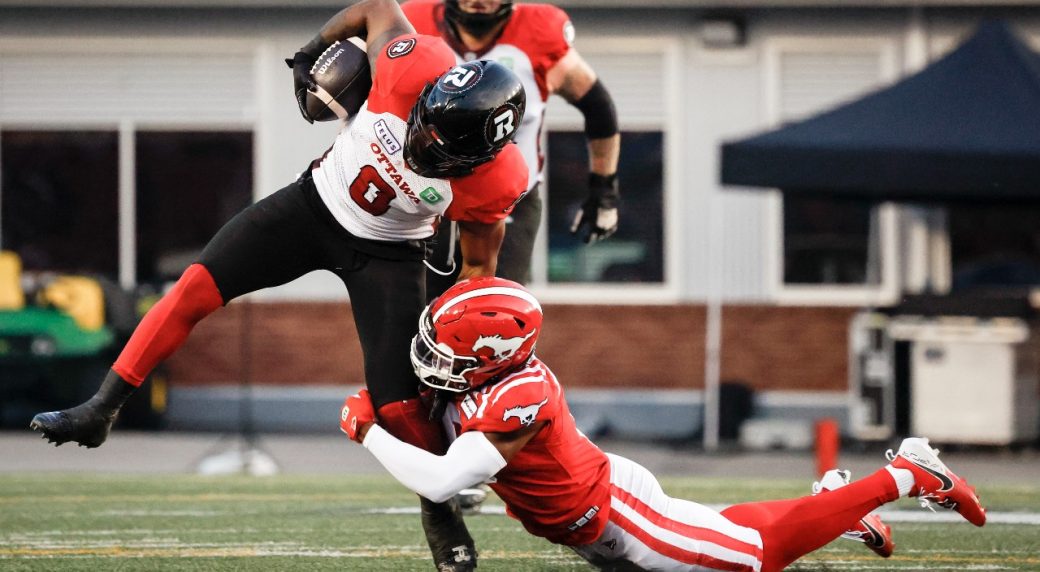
x,y
653,531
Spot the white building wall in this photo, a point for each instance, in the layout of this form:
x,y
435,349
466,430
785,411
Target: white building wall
x,y
719,95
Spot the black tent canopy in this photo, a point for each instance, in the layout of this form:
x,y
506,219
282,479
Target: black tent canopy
x,y
967,127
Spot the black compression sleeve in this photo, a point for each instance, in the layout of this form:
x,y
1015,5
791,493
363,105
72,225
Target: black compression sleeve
x,y
598,109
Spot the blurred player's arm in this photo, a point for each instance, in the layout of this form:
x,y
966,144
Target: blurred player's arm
x,y
480,243
472,458
574,80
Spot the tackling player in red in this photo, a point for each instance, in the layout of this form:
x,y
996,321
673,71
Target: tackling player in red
x,y
513,429
534,40
433,140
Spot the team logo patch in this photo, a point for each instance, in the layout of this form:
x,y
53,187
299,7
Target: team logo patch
x,y
431,196
386,137
502,123
400,48
568,32
461,78
526,414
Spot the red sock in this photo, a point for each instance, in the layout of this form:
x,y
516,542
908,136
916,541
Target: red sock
x,y
409,421
793,528
166,326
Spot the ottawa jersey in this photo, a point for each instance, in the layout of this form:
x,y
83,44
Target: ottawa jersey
x,y
363,178
534,39
558,484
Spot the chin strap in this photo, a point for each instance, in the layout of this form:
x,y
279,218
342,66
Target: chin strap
x,y
441,398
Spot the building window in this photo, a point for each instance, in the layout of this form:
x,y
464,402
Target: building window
x,y
189,183
828,241
994,246
60,200
635,254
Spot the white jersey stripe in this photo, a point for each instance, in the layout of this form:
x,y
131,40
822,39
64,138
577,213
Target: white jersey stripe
x,y
514,383
486,394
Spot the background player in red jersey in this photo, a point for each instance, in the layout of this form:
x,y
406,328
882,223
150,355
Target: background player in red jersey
x,y
534,40
432,141
514,430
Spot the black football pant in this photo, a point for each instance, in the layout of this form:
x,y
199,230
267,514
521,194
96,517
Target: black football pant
x,y
291,233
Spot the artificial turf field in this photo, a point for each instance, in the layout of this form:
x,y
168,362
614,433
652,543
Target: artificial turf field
x,y
96,522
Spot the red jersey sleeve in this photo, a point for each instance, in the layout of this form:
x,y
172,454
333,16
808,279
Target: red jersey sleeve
x,y
404,66
516,404
544,32
421,13
489,194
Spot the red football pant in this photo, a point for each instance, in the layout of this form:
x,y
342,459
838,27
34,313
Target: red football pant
x,y
409,421
793,528
166,326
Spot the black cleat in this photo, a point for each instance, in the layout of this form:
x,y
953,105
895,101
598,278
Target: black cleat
x,y
87,423
452,546
83,424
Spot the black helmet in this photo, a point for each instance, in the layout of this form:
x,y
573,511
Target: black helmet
x,y
476,24
463,119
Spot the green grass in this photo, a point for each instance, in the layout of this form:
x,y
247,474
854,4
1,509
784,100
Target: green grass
x,y
93,522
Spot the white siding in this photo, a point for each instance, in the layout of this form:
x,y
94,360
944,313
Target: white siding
x,y
115,85
636,82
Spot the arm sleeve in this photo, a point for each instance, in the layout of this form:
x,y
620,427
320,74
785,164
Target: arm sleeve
x,y
471,459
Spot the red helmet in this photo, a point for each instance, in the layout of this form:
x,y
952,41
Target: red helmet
x,y
478,330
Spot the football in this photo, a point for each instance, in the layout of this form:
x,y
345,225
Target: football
x,y
344,80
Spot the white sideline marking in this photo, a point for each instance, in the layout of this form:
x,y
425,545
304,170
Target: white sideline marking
x,y
922,515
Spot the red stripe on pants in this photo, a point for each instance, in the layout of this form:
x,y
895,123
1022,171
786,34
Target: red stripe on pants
x,y
674,552
682,528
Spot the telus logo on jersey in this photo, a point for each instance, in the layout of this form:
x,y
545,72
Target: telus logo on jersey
x,y
386,137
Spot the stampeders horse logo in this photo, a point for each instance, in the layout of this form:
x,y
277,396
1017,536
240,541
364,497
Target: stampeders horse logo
x,y
504,348
400,48
525,413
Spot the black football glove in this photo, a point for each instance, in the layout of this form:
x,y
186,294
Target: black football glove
x,y
301,64
599,213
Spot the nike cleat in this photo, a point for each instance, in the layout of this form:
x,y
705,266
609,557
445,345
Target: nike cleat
x,y
935,483
870,530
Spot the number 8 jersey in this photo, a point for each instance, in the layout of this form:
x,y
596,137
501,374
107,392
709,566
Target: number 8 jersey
x,y
364,180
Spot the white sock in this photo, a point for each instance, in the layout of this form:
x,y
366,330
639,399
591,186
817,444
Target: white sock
x,y
903,477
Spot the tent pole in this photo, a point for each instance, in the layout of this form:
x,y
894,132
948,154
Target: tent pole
x,y
713,327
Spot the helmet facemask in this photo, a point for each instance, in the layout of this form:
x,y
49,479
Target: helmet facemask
x,y
435,364
478,24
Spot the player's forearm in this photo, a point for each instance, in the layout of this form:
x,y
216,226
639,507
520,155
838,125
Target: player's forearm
x,y
471,459
354,20
480,244
603,154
